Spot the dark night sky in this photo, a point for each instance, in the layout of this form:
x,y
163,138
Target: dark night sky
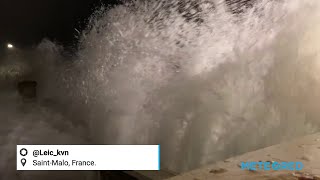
x,y
26,22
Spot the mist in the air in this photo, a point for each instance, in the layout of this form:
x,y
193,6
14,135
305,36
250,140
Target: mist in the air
x,y
203,82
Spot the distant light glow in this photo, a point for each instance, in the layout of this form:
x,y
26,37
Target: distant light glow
x,y
10,46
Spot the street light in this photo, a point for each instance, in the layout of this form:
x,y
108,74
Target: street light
x,y
10,46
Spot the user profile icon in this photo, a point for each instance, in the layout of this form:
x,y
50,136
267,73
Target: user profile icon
x,y
23,152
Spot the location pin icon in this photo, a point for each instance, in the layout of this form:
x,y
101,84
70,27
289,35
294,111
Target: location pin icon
x,y
23,161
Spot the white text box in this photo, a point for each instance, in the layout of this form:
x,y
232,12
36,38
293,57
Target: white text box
x,y
88,157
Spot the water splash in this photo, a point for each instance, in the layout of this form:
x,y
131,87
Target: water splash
x,y
39,122
201,81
